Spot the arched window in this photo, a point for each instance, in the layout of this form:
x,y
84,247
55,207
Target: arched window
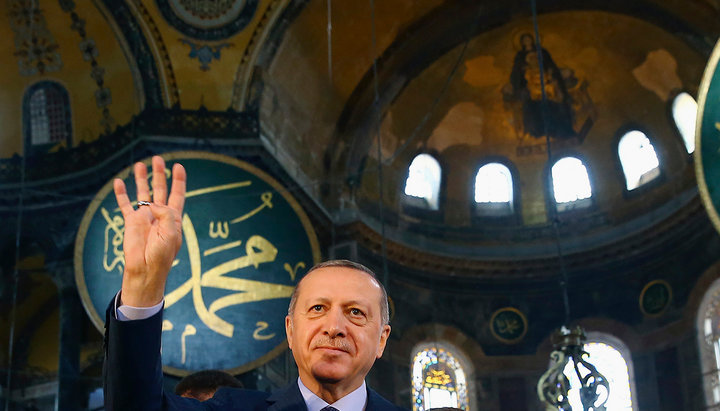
x,y
494,189
638,159
46,116
708,329
423,182
684,110
438,378
611,360
571,184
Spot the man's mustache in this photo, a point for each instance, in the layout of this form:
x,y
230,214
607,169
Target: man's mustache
x,y
336,343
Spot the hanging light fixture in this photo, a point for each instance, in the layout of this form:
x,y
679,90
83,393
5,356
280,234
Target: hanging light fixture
x,y
553,386
568,343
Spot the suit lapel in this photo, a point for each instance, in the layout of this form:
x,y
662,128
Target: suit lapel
x,y
286,399
377,403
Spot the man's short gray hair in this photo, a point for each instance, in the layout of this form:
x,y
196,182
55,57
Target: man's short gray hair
x,y
384,306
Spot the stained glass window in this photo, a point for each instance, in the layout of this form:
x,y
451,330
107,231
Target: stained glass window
x,y
611,363
684,110
438,380
708,328
638,159
423,181
571,183
47,118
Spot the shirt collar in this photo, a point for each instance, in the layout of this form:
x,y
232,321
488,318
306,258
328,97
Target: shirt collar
x,y
355,401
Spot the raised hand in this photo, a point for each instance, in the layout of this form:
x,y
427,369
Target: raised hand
x,y
153,233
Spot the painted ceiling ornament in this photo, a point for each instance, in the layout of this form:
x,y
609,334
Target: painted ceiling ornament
x,y
35,46
208,19
207,10
204,53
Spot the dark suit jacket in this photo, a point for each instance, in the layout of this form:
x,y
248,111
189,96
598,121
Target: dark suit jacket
x,y
133,379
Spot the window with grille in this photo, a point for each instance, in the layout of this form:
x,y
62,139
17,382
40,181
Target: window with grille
x,y
46,115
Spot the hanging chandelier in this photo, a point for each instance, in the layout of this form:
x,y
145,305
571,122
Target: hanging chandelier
x,y
553,387
568,344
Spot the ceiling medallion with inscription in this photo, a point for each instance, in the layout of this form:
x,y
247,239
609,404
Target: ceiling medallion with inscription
x,y
707,138
246,244
208,19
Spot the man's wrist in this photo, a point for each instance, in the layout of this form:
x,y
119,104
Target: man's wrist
x,y
124,312
139,293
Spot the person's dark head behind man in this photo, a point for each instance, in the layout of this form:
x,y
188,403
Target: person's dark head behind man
x,y
202,385
337,326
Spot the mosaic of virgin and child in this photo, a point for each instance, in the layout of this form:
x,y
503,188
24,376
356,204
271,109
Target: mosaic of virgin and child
x,y
569,111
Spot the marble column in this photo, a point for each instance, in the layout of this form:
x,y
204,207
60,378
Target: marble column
x,y
70,392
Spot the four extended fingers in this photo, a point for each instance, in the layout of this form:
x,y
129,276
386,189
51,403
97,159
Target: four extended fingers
x,y
176,200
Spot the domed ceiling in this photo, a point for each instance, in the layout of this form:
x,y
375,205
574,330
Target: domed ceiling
x,y
445,83
441,77
612,86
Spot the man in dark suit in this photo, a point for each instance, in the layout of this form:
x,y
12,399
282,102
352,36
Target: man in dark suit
x,y
337,322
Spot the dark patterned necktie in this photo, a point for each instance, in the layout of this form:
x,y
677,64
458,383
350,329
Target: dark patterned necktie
x,y
329,408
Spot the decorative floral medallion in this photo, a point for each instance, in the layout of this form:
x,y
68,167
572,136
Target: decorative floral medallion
x,y
208,19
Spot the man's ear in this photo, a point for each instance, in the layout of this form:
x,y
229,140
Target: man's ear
x,y
288,330
384,334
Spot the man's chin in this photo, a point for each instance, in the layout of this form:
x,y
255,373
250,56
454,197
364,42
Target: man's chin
x,y
329,373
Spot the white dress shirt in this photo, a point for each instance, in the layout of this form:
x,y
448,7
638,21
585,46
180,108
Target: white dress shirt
x,y
355,401
129,313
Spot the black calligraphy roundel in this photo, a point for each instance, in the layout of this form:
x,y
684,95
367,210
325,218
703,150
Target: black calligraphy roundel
x,y
246,243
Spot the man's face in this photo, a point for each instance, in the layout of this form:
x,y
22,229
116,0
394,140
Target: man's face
x,y
336,331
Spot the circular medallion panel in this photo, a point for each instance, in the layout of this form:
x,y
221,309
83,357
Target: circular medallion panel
x,y
508,325
655,298
246,243
208,19
707,138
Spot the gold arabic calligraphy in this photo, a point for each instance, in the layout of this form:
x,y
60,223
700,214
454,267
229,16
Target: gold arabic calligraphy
x,y
114,225
507,326
258,250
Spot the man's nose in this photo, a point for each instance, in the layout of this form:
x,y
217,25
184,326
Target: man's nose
x,y
335,324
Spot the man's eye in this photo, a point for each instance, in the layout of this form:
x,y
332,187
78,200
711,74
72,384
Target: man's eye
x,y
356,311
316,308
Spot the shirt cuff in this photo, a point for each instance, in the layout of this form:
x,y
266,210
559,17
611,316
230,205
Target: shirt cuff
x,y
130,313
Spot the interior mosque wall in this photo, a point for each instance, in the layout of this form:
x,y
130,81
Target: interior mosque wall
x,y
264,88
